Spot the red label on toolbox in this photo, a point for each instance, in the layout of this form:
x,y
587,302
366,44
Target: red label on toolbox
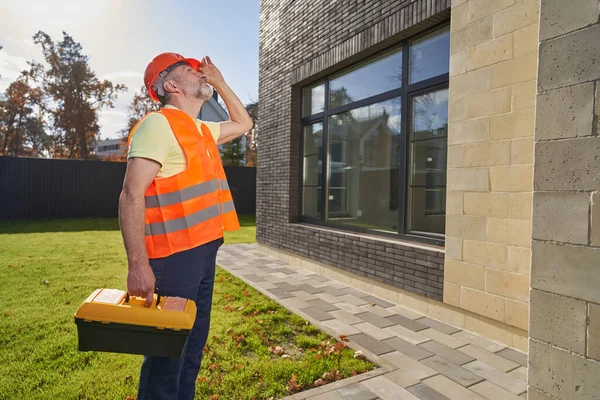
x,y
174,304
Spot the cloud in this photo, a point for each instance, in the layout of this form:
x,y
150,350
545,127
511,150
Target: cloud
x,y
10,68
29,43
123,76
395,121
131,79
113,113
111,123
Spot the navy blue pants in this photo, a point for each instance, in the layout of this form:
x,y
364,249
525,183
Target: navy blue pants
x,y
189,274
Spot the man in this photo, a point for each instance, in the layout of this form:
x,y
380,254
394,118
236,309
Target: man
x,y
175,205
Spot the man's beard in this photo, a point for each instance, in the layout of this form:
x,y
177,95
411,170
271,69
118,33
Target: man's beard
x,y
198,90
205,92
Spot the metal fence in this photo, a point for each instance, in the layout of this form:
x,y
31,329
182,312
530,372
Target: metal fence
x,y
32,188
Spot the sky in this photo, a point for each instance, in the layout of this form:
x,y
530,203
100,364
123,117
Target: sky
x,y
122,36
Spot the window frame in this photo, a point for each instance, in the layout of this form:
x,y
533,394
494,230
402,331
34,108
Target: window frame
x,y
406,92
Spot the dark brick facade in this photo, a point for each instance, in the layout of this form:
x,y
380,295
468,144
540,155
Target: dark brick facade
x,y
301,41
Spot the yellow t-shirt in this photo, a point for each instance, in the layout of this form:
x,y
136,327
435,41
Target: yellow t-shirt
x,y
154,139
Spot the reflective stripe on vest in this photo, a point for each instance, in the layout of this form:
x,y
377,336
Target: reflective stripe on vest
x,y
178,224
167,199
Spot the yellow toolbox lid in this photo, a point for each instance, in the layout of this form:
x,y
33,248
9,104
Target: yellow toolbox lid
x,y
110,306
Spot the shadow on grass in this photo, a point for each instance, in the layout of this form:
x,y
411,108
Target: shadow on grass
x,y
79,225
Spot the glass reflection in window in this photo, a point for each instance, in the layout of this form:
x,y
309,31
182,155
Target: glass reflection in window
x,y
430,56
364,150
312,164
428,149
378,76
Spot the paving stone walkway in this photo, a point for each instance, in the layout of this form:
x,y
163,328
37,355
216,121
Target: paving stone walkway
x,y
419,357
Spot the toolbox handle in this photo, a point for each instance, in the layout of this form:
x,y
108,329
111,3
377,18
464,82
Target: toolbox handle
x,y
156,290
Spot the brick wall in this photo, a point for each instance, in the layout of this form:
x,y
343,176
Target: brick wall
x,y
301,41
564,357
490,157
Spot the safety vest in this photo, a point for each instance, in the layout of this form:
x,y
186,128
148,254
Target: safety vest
x,y
195,206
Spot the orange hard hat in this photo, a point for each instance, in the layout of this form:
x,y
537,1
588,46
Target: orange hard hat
x,y
159,67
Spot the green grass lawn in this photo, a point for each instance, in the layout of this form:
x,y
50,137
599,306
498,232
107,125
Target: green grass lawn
x,y
48,268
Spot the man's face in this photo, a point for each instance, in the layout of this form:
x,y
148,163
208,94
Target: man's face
x,y
192,82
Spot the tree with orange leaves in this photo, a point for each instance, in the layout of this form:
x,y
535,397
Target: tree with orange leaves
x,y
76,95
22,130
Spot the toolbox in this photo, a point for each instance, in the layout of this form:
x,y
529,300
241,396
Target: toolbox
x,y
109,320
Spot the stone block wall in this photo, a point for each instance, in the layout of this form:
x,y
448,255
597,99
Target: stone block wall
x,y
493,67
564,358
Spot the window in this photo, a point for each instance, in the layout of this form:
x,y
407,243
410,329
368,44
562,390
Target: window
x,y
377,76
312,172
360,165
375,142
109,147
428,137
